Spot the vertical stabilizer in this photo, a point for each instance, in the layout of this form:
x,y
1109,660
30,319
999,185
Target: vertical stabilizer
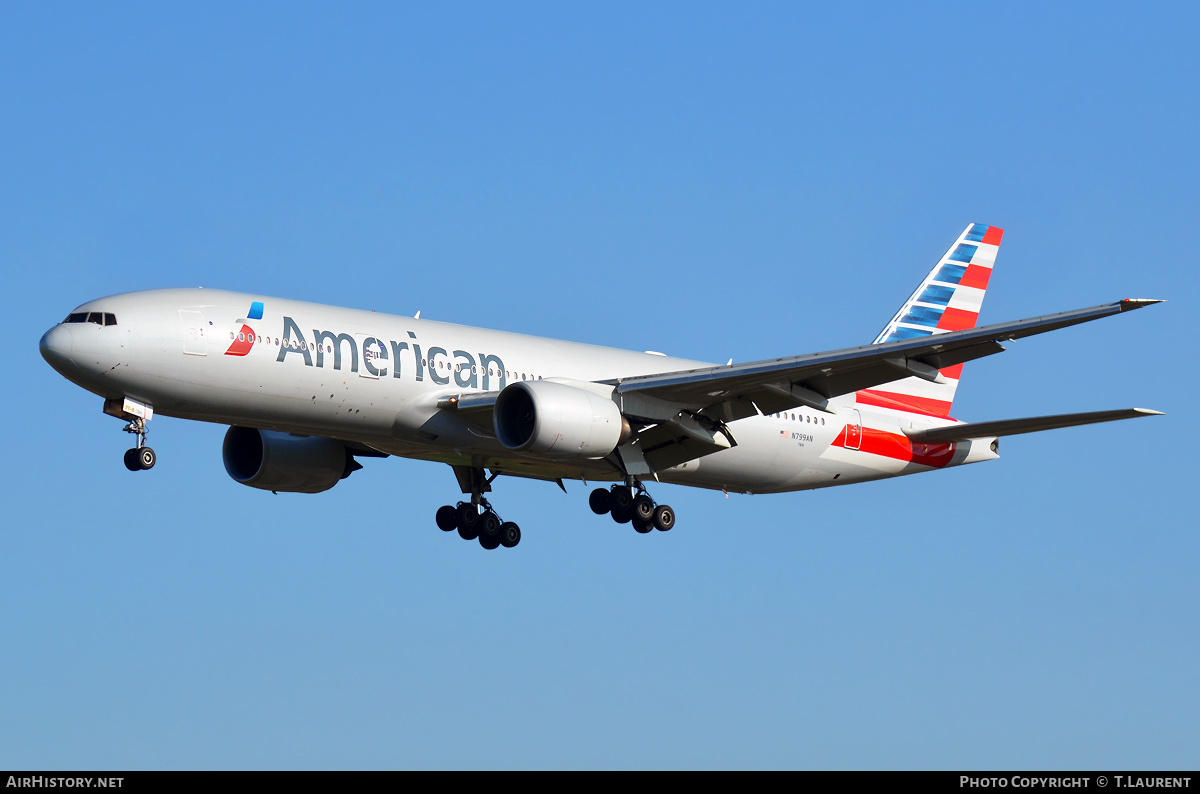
x,y
949,299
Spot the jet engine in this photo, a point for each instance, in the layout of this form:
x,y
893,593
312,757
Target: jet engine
x,y
558,421
284,462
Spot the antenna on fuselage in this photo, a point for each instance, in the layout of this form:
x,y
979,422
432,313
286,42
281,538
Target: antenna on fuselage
x,y
417,316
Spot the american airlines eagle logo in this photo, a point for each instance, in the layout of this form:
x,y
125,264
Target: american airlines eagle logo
x,y
243,341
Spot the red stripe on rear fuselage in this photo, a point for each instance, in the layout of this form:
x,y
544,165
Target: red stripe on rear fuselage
x,y
903,402
899,447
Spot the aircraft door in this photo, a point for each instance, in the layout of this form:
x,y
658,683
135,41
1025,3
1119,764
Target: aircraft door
x,y
854,430
195,333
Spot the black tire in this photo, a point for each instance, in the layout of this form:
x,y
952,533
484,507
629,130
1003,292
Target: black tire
x,y
510,534
620,498
489,543
468,521
489,525
622,515
146,458
447,518
664,518
643,526
131,460
643,508
599,501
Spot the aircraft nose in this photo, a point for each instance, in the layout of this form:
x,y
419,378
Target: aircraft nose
x,y
56,348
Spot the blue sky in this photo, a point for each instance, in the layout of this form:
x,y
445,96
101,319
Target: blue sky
x,y
709,181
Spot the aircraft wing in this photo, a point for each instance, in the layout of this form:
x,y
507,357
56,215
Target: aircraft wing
x,y
1012,427
728,393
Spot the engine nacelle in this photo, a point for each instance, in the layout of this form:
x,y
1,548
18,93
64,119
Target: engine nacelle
x,y
557,420
283,462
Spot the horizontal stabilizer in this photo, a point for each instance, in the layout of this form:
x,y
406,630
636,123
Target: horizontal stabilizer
x,y
1033,424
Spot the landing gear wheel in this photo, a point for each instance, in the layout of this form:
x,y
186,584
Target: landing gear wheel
x,y
447,518
489,543
468,521
146,458
131,460
643,509
600,501
642,526
664,518
510,534
489,526
621,498
622,515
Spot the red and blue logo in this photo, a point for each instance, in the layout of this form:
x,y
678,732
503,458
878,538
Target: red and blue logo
x,y
244,340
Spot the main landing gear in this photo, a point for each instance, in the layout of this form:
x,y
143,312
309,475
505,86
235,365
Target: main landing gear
x,y
632,505
140,457
472,524
476,520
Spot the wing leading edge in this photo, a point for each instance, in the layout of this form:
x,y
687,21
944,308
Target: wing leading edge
x,y
1033,424
727,393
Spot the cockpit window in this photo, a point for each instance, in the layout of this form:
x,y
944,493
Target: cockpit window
x,y
99,318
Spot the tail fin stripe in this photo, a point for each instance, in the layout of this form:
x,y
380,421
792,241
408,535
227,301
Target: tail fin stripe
x,y
935,294
903,332
957,320
976,276
923,315
993,236
950,274
976,233
967,299
964,252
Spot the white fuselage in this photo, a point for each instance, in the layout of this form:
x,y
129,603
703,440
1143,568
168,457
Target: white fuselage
x,y
375,380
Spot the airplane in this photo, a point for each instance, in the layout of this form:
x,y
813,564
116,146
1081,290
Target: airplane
x,y
308,389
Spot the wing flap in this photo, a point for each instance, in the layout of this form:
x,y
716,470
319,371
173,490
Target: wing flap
x,y
1032,424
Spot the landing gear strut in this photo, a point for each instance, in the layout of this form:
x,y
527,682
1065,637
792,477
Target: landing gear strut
x,y
140,457
631,504
476,519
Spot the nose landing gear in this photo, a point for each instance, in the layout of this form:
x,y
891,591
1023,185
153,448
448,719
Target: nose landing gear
x,y
137,414
140,457
627,506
